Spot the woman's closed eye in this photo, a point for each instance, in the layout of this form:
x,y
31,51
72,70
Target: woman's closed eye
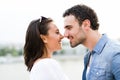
x,y
57,32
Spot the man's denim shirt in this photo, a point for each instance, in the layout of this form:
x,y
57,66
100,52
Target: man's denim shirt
x,y
105,64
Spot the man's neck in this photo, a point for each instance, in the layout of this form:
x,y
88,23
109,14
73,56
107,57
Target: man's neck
x,y
92,39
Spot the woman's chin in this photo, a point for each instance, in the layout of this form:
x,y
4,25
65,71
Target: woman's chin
x,y
58,49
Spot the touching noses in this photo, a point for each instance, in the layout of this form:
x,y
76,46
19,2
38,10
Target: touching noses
x,y
61,36
66,34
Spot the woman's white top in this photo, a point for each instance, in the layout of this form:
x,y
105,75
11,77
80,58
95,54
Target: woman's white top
x,y
47,69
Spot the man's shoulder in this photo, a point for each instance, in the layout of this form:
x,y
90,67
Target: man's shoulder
x,y
112,46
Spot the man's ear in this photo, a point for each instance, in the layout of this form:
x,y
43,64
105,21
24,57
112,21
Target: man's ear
x,y
86,24
44,38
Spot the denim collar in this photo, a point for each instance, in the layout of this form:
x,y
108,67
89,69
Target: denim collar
x,y
100,45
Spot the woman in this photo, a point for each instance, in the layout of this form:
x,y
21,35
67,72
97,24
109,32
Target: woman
x,y
42,39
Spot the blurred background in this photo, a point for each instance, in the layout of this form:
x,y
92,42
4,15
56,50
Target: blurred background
x,y
15,15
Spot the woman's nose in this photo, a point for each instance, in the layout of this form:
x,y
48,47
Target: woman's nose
x,y
62,36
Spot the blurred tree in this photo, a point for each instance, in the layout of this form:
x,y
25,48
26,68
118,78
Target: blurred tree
x,y
13,51
4,51
10,50
20,52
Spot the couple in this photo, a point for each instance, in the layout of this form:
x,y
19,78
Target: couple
x,y
102,61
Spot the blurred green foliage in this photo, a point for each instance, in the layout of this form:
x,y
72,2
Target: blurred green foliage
x,y
6,50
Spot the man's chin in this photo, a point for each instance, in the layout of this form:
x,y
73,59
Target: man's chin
x,y
73,45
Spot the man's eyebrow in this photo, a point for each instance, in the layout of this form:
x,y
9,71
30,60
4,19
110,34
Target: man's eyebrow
x,y
67,26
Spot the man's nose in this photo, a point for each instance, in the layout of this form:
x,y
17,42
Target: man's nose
x,y
65,34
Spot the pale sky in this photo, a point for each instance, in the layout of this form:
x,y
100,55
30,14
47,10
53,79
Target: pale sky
x,y
15,15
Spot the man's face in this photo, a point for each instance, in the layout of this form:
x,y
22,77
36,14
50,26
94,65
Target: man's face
x,y
73,31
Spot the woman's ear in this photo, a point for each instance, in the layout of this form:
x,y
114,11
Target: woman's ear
x,y
44,38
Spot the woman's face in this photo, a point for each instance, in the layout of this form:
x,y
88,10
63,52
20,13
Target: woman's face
x,y
53,39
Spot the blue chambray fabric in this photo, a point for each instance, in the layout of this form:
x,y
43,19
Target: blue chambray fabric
x,y
105,64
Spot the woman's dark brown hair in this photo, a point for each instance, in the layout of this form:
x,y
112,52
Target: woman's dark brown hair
x,y
34,46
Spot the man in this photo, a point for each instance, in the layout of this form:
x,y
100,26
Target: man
x,y
102,62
